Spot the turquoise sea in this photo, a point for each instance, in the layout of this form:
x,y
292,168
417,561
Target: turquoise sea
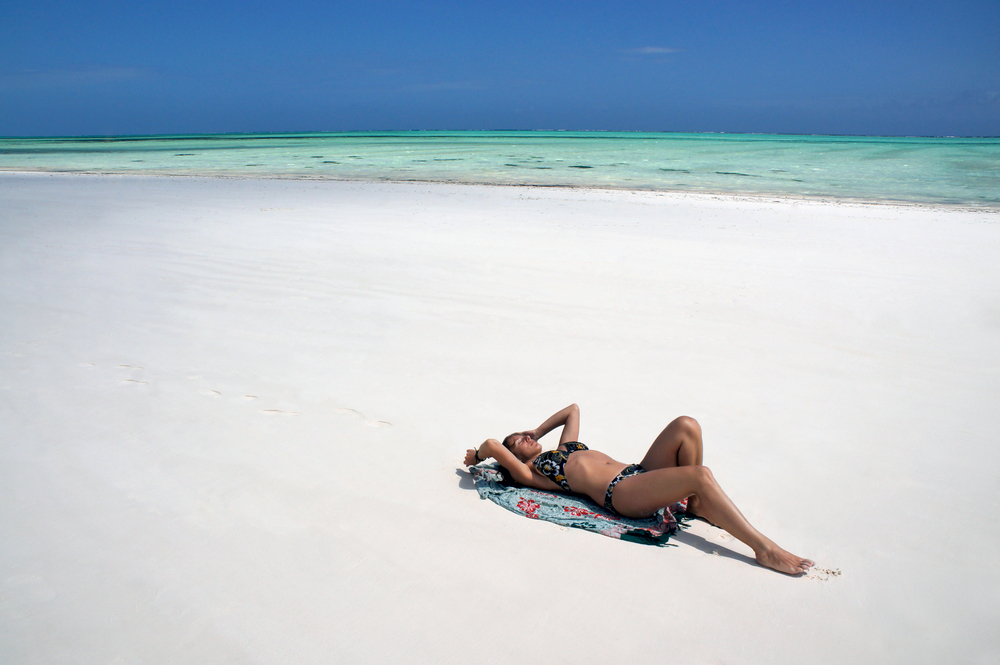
x,y
941,171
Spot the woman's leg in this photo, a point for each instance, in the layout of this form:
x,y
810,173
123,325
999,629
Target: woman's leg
x,y
679,444
643,494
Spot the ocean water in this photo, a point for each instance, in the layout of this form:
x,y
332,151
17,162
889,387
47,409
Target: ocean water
x,y
940,171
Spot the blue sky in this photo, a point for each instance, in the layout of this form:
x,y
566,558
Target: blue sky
x,y
100,67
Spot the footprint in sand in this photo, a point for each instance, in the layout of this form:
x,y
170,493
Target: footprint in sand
x,y
211,393
278,412
357,414
131,367
249,397
823,574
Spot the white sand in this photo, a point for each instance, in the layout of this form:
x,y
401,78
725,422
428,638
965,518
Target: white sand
x,y
232,414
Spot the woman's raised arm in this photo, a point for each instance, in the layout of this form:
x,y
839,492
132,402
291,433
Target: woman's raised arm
x,y
493,448
568,419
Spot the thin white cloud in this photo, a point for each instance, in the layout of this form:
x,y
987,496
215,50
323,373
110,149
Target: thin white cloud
x,y
69,78
653,50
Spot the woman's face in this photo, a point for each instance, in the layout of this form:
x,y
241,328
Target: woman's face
x,y
524,447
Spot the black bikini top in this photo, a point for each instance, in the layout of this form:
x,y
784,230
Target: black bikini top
x,y
552,463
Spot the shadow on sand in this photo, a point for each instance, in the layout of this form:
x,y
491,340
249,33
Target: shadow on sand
x,y
700,543
465,479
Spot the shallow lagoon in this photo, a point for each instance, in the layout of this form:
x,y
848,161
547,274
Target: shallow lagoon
x,y
943,171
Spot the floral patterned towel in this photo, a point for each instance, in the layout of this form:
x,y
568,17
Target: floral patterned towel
x,y
575,511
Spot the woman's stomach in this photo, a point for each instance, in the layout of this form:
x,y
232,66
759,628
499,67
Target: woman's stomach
x,y
590,472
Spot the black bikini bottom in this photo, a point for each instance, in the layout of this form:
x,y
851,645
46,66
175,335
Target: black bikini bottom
x,y
630,470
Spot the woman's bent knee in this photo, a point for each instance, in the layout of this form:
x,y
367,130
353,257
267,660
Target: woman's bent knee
x,y
688,425
703,475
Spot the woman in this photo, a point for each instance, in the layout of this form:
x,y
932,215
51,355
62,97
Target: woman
x,y
670,471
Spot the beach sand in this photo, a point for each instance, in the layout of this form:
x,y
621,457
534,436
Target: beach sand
x,y
233,414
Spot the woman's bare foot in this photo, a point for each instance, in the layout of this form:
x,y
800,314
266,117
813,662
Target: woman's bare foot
x,y
784,562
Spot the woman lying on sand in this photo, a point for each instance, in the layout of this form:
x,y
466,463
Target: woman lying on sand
x,y
670,471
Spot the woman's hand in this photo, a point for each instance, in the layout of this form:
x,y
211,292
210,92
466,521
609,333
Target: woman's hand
x,y
475,456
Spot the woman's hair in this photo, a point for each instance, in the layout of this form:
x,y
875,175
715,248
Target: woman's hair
x,y
506,478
